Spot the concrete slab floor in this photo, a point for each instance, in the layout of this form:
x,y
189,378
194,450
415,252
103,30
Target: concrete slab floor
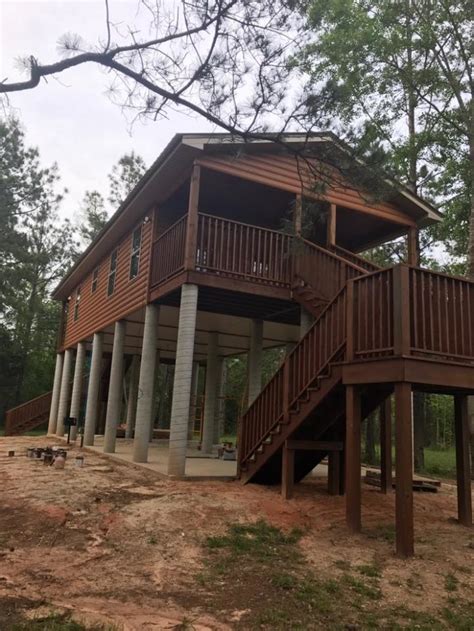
x,y
197,465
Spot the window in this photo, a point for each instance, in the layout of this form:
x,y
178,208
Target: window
x,y
135,254
95,279
76,304
112,272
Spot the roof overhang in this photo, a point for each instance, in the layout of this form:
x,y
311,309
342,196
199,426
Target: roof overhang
x,y
174,164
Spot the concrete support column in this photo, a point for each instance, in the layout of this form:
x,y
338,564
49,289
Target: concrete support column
x,y
255,360
156,398
77,386
132,396
220,407
182,380
93,389
146,384
53,412
114,399
306,321
210,398
65,390
194,396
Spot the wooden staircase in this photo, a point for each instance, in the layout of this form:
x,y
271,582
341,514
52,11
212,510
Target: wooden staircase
x,y
23,418
305,399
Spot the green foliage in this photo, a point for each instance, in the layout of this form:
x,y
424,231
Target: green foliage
x,y
395,79
36,248
93,216
124,176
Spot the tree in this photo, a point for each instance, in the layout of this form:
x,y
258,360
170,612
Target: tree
x,y
124,176
34,252
397,78
224,60
93,216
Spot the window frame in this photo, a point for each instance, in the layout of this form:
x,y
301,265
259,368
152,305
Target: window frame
x,y
113,263
95,280
135,253
76,304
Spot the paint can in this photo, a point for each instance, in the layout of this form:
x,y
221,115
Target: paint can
x,y
11,453
59,461
79,461
30,452
48,459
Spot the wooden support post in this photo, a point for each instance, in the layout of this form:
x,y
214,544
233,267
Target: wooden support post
x,y
461,423
286,391
298,215
404,470
334,472
287,472
192,219
386,446
401,310
350,320
352,473
332,225
413,248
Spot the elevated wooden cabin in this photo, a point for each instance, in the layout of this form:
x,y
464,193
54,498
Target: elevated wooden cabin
x,y
228,247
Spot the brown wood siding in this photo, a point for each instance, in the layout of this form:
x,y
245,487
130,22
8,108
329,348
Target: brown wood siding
x,y
290,174
97,310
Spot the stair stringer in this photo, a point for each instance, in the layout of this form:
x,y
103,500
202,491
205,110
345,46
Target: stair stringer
x,y
297,417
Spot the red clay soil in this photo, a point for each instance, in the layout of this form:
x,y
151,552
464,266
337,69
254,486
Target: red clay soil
x,y
114,544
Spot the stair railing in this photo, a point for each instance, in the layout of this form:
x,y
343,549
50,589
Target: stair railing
x,y
305,363
35,408
321,269
358,260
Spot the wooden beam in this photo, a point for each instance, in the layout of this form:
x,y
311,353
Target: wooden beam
x,y
287,472
401,310
404,470
332,225
463,474
386,446
413,247
192,219
353,463
315,445
334,473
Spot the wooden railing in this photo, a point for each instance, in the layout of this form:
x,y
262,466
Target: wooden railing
x,y
410,311
35,408
371,305
360,261
167,257
324,271
399,311
243,251
311,357
441,312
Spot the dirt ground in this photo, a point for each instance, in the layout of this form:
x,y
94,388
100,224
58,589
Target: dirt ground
x,y
114,544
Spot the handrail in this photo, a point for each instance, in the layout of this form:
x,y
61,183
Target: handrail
x,y
355,258
301,368
27,411
237,250
167,253
165,232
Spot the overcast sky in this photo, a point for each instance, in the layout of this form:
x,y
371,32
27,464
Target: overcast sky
x,y
73,122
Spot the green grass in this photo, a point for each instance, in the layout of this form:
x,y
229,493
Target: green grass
x,y
261,570
440,462
57,622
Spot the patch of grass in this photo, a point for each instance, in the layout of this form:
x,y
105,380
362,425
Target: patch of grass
x,y
341,564
372,570
152,540
451,583
440,462
56,622
386,532
371,591
260,539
